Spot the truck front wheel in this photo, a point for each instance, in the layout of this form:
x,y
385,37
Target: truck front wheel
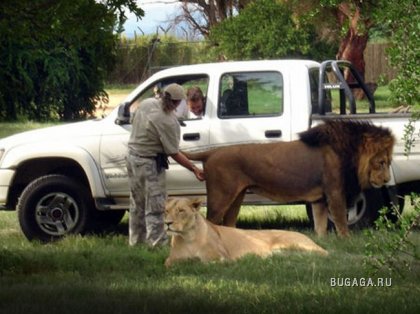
x,y
53,206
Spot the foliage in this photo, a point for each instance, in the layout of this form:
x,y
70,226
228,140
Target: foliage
x,y
401,21
267,29
390,245
54,56
410,134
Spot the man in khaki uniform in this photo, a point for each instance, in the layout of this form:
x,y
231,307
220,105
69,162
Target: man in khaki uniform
x,y
155,135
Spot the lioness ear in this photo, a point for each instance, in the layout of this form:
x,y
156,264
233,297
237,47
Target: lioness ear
x,y
169,201
196,203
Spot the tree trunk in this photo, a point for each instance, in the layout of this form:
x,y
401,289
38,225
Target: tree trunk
x,y
351,49
353,45
210,12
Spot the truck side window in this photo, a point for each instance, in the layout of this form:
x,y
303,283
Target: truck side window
x,y
314,85
250,94
155,89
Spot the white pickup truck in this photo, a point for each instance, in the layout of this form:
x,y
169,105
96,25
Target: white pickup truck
x,y
65,179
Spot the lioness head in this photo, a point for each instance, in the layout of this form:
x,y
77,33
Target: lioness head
x,y
375,161
180,215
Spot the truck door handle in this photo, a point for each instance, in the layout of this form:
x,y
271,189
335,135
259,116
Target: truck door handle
x,y
191,136
272,133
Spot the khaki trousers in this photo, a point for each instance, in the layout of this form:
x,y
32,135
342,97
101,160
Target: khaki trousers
x,y
147,202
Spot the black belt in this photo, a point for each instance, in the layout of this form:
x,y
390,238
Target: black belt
x,y
133,153
161,159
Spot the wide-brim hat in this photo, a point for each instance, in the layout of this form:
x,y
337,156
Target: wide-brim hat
x,y
175,91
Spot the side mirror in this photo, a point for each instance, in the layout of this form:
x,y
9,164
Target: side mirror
x,y
123,116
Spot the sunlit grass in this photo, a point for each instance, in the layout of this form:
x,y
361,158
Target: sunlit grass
x,y
9,128
381,96
273,217
102,274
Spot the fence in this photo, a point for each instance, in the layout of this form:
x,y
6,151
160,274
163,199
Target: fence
x,y
377,64
136,62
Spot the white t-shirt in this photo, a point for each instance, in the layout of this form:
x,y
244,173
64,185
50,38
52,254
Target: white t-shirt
x,y
181,111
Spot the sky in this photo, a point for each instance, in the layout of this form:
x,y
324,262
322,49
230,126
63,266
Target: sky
x,y
156,13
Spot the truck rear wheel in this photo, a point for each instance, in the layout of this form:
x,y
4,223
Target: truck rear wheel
x,y
364,211
53,206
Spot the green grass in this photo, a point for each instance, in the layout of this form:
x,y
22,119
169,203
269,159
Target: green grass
x,y
381,97
9,128
274,217
94,274
101,274
262,101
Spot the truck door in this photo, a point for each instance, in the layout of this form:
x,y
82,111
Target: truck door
x,y
194,135
250,109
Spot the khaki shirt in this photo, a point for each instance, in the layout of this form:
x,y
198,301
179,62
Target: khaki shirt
x,y
153,130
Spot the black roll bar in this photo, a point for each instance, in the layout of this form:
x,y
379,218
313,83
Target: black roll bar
x,y
337,67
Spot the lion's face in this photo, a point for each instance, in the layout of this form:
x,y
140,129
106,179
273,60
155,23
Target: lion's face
x,y
375,171
379,170
180,215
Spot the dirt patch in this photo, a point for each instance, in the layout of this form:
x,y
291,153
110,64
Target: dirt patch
x,y
103,109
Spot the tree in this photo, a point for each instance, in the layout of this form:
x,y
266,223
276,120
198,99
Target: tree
x,y
54,56
202,15
403,29
264,30
355,19
347,22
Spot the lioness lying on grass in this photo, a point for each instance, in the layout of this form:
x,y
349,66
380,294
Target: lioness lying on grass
x,y
195,237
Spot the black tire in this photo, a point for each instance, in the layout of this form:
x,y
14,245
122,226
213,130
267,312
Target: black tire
x,y
365,210
54,206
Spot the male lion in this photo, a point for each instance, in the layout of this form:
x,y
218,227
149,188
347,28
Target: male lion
x,y
195,237
328,167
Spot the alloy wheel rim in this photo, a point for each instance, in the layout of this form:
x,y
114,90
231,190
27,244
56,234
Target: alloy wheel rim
x,y
57,213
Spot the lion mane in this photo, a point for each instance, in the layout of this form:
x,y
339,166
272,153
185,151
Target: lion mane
x,y
195,237
355,143
327,167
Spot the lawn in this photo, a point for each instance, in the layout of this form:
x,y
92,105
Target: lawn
x,y
381,96
101,274
9,128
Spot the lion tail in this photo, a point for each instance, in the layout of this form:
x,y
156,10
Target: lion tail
x,y
201,156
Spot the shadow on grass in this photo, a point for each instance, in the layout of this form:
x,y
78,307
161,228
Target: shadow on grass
x,y
86,298
279,222
284,224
